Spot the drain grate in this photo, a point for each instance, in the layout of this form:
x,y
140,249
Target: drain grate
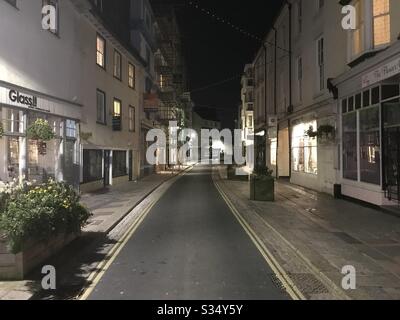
x,y
308,284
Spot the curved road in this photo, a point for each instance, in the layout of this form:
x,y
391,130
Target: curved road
x,y
189,247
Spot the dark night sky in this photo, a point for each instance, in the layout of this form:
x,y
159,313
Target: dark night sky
x,y
215,51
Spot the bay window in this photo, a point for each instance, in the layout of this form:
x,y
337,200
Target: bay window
x,y
373,27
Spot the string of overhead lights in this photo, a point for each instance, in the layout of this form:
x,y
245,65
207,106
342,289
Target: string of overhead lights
x,y
233,26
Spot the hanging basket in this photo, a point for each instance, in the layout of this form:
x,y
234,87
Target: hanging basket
x,y
40,131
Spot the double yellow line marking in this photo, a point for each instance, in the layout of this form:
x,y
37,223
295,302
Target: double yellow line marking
x,y
281,274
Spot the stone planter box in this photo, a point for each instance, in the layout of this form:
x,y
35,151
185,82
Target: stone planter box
x,y
16,266
231,174
262,188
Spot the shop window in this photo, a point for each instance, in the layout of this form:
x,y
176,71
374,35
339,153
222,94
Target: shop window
x,y
13,157
119,164
366,98
390,91
350,106
350,158
305,152
370,146
13,120
92,165
358,101
274,150
71,131
375,95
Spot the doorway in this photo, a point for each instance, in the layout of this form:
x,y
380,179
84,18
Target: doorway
x,y
107,156
391,140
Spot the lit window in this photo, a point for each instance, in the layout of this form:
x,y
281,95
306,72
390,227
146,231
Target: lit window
x,y
101,51
117,119
381,12
304,148
274,149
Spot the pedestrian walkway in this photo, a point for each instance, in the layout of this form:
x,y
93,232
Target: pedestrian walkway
x,y
314,236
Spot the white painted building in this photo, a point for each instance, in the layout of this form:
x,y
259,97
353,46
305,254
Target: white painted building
x,y
112,95
80,78
301,57
44,67
369,106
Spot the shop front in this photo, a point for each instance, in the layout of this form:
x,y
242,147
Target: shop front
x,y
369,99
23,158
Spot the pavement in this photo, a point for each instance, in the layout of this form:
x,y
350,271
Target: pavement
x,y
109,207
189,247
313,236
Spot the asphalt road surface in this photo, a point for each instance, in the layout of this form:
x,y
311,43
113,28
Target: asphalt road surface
x,y
190,246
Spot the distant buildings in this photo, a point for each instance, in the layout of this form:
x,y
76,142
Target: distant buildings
x,y
325,98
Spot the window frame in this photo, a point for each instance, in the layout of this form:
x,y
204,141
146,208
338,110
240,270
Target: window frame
x,y
117,54
104,66
104,122
133,78
115,116
320,63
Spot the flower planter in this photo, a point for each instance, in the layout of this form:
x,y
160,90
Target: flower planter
x,y
262,188
14,267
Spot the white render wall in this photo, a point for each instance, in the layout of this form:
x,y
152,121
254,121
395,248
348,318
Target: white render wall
x,y
94,77
35,58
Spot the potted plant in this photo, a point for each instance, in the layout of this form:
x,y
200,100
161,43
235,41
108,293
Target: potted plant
x,y
1,130
41,131
325,132
262,185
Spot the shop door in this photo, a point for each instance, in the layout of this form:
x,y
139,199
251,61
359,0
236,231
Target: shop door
x,y
107,154
391,137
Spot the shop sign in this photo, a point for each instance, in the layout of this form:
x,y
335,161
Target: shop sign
x,y
17,97
385,72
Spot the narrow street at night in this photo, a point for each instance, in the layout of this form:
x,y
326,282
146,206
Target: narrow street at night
x,y
190,246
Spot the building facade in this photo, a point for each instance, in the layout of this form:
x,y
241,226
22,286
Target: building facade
x,y
293,70
39,79
246,109
111,93
368,106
